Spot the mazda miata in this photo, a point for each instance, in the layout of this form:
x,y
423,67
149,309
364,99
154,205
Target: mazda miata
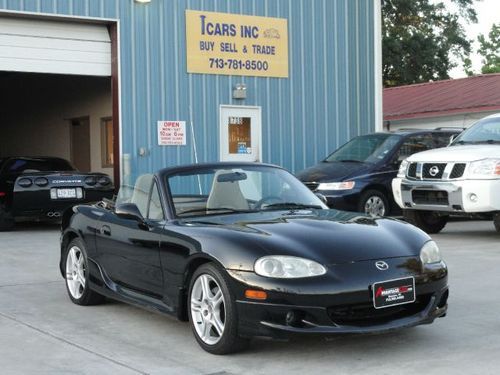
x,y
244,250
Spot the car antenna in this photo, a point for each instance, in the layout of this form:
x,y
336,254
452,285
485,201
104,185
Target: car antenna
x,y
194,143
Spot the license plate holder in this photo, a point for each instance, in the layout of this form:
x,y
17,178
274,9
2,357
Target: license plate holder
x,y
66,193
393,292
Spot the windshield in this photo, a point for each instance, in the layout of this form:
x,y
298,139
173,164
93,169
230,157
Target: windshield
x,y
209,191
369,148
483,131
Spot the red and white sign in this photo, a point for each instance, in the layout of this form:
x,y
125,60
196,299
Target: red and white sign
x,y
172,133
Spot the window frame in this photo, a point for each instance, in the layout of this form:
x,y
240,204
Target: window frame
x,y
104,142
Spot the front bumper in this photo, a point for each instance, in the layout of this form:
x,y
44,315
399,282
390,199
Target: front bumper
x,y
462,195
345,200
322,307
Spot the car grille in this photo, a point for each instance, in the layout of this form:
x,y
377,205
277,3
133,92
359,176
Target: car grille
x,y
458,170
311,185
365,314
435,171
437,197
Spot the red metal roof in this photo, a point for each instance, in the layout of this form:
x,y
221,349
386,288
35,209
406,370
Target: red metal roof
x,y
440,98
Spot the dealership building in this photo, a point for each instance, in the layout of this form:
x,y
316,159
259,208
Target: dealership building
x,y
127,87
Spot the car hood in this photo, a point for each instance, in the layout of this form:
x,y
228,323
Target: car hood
x,y
326,236
333,171
459,153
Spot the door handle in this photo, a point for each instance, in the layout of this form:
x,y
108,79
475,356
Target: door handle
x,y
106,230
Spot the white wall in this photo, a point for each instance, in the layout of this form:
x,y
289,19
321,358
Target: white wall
x,y
36,110
463,121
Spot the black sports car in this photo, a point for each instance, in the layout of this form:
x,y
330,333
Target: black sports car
x,y
245,250
41,188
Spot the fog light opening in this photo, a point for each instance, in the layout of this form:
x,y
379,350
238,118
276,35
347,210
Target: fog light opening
x,y
294,318
443,300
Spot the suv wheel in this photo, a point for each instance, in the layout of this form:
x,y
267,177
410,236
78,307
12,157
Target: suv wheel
x,y
496,222
373,203
6,219
428,221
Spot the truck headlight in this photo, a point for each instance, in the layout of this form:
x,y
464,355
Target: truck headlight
x,y
485,168
402,168
344,185
287,267
430,253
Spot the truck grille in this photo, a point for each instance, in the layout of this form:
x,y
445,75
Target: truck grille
x,y
458,170
435,171
436,197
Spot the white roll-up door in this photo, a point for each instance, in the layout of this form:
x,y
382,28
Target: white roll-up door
x,y
40,46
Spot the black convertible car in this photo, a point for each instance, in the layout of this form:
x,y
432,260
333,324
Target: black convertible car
x,y
244,250
42,188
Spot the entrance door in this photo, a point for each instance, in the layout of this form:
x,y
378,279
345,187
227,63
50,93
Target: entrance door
x,y
80,144
240,133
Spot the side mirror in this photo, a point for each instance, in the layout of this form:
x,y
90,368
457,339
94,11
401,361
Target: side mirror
x,y
129,211
452,138
322,198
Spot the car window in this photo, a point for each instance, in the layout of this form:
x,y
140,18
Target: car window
x,y
155,211
37,165
442,139
367,148
486,130
414,144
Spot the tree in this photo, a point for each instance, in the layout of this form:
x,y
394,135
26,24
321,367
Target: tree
x,y
490,50
420,37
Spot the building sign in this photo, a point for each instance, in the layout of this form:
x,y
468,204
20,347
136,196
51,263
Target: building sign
x,y
234,44
171,133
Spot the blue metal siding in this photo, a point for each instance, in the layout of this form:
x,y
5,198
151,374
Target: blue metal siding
x,y
327,99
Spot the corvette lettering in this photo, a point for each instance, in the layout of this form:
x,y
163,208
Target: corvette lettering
x,y
66,181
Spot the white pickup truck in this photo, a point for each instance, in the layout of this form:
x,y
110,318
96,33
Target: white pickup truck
x,y
461,179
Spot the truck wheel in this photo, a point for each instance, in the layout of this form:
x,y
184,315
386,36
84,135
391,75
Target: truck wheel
x,y
6,219
496,222
428,221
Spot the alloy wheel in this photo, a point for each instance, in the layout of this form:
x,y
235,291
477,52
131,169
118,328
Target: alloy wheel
x,y
75,272
375,206
208,309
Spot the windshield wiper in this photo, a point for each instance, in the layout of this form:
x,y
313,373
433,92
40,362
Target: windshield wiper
x,y
352,160
290,205
223,209
488,141
461,142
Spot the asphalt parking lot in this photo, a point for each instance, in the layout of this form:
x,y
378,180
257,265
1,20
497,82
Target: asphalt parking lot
x,y
42,332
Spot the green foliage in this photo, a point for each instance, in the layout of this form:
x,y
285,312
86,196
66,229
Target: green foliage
x,y
490,50
419,38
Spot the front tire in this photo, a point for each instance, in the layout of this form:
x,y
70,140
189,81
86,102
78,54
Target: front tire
x,y
77,275
429,221
212,311
374,203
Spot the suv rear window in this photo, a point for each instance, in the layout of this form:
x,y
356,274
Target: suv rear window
x,y
38,165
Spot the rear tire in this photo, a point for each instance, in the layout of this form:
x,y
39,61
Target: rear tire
x,y
6,219
374,203
76,274
496,222
212,311
429,221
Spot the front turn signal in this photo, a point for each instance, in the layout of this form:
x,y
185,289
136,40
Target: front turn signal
x,y
255,294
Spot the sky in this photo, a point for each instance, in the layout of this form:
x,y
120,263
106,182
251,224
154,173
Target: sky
x,y
488,13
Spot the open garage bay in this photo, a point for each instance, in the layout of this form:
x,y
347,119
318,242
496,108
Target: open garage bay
x,y
41,331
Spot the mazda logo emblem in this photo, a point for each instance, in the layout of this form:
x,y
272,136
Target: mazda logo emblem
x,y
434,170
381,265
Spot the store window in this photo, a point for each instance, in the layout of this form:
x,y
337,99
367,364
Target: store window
x,y
107,142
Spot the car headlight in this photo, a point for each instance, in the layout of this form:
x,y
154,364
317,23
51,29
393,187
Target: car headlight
x,y
287,267
344,185
485,168
402,168
430,253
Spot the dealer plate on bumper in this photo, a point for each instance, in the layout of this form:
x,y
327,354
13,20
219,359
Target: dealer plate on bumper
x,y
66,193
393,292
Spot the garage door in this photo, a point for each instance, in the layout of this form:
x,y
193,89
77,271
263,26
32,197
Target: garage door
x,y
40,46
